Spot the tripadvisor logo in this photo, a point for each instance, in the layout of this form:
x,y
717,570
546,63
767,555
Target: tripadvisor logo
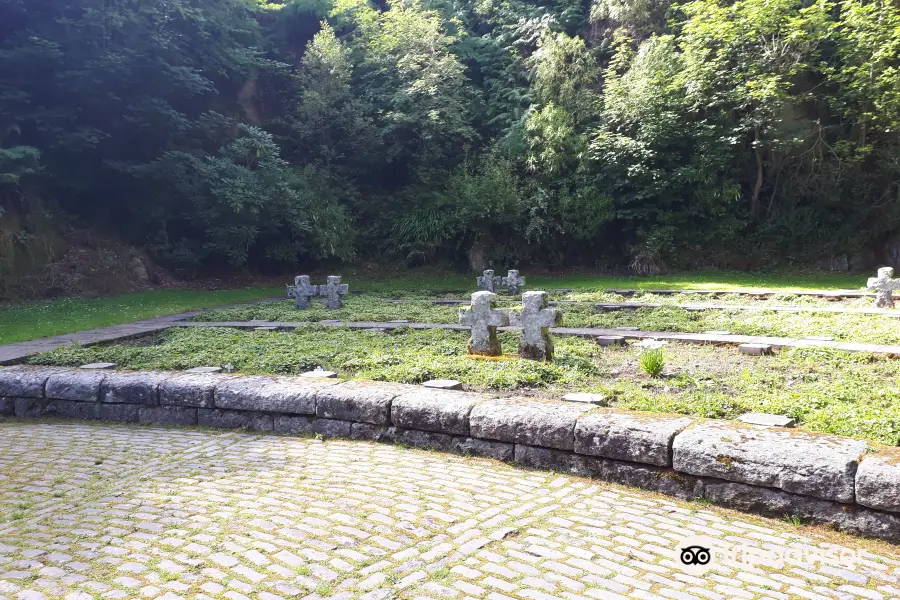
x,y
697,555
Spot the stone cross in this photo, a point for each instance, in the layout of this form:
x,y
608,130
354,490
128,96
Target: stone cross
x,y
487,281
484,321
883,285
333,291
536,320
513,282
302,291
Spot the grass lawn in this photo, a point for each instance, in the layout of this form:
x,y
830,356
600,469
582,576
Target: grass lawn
x,y
55,317
787,281
827,391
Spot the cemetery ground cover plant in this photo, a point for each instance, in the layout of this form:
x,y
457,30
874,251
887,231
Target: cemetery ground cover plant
x,y
853,394
863,328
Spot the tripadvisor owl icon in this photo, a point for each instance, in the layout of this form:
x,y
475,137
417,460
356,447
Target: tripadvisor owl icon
x,y
695,555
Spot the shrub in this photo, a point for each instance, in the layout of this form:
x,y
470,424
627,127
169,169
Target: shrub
x,y
653,361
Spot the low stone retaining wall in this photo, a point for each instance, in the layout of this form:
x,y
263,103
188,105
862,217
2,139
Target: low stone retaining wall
x,y
839,481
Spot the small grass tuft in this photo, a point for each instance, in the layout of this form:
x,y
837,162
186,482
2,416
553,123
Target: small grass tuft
x,y
653,361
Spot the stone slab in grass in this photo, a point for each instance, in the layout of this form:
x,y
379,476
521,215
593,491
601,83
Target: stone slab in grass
x,y
443,384
270,394
610,340
795,461
190,389
319,374
98,366
24,382
878,480
755,349
435,410
83,386
360,401
205,370
766,420
632,436
132,388
583,398
527,421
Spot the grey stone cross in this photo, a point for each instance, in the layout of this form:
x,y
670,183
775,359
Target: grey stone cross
x,y
332,292
488,281
883,285
513,282
484,320
302,291
536,320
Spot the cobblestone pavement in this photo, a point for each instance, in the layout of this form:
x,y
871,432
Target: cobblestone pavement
x,y
104,511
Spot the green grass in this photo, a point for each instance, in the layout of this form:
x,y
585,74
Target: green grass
x,y
785,281
874,329
55,317
827,391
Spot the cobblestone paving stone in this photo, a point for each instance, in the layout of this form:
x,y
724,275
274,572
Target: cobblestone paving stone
x,y
104,511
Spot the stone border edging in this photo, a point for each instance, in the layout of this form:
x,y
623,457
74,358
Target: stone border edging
x,y
776,472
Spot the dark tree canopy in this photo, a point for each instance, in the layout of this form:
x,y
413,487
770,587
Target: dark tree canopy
x,y
635,133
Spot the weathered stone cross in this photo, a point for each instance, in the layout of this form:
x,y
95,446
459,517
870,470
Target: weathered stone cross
x,y
883,285
484,321
536,320
302,291
333,291
487,281
513,282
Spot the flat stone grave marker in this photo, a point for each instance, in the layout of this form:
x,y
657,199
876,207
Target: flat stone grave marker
x,y
627,328
755,349
767,420
536,320
819,338
205,370
883,286
610,340
717,332
595,399
513,282
443,384
266,328
99,366
484,319
302,291
319,374
333,292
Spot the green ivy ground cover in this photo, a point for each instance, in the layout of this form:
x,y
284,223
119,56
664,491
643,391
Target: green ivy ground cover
x,y
827,391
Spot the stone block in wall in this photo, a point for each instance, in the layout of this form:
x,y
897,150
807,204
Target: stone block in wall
x,y
34,407
80,386
24,382
822,466
630,436
878,480
359,401
428,440
483,448
132,388
167,415
294,424
332,427
7,406
190,389
270,394
120,412
435,410
527,421
234,419
69,409
777,503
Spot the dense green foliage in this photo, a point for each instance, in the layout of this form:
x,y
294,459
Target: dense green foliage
x,y
827,391
607,132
